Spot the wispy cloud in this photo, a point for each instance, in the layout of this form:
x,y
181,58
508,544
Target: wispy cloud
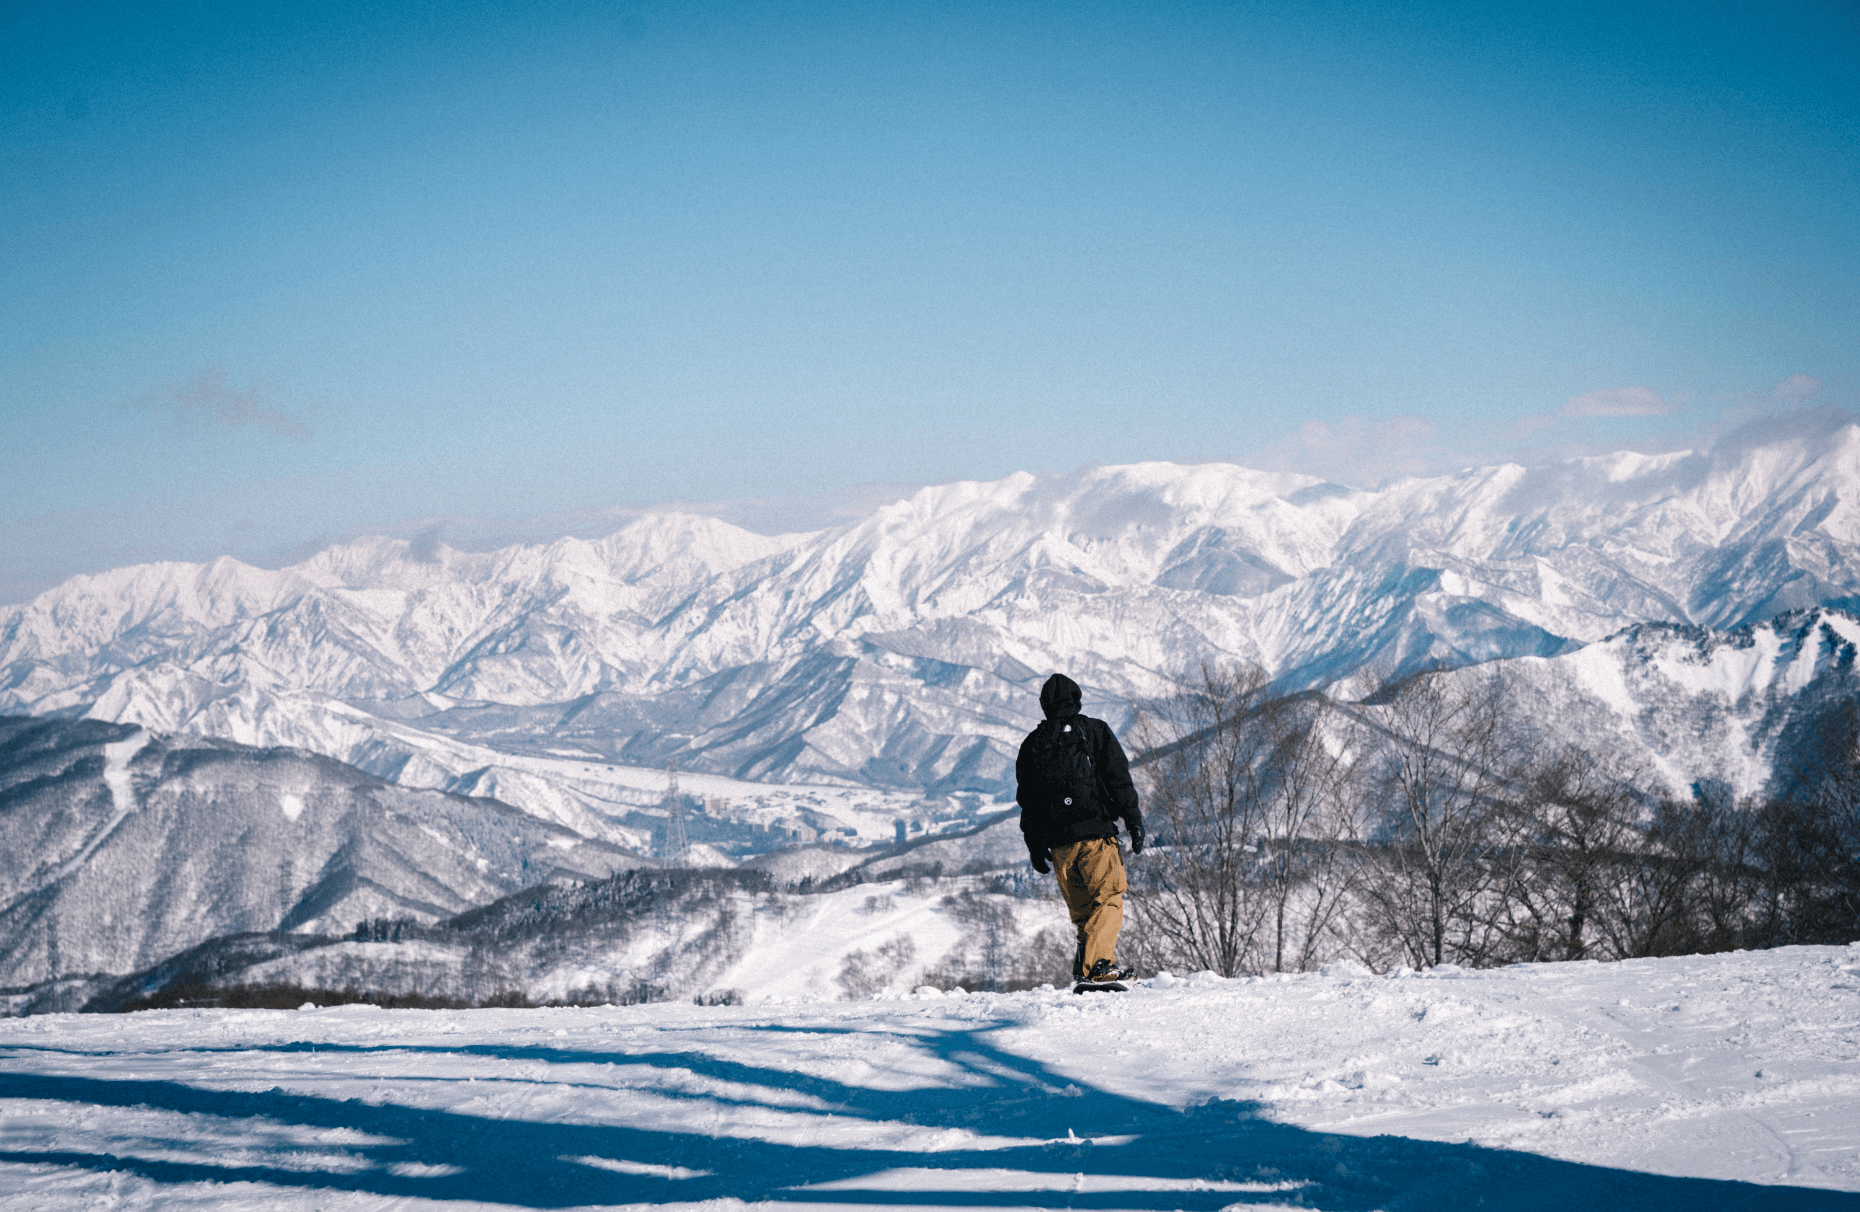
x,y
1358,451
1529,424
1786,404
210,399
1620,402
1796,389
1364,451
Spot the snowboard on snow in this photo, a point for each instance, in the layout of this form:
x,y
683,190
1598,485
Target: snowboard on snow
x,y
1101,987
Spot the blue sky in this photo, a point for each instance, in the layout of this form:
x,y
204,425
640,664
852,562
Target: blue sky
x,y
278,275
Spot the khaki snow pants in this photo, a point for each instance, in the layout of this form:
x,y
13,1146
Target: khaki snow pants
x,y
1091,878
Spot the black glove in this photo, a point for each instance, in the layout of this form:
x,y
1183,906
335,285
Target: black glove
x,y
1038,855
1136,839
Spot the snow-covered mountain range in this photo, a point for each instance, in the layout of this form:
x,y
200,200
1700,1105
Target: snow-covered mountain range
x,y
904,650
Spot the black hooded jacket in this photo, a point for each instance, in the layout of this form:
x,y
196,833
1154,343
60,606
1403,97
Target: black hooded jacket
x,y
1059,699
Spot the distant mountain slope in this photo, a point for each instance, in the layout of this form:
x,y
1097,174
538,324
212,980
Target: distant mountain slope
x,y
654,935
904,650
1739,713
123,847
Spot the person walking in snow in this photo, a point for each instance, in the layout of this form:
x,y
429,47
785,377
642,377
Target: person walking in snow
x,y
1073,784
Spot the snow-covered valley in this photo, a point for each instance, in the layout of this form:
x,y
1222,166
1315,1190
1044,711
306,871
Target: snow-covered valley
x,y
1725,1081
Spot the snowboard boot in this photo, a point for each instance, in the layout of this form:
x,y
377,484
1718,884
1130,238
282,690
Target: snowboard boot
x,y
1105,977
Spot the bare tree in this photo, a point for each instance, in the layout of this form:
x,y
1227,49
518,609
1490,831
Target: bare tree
x,y
1809,840
1730,881
1251,817
1578,832
1447,765
991,939
1428,824
1306,862
1684,886
1200,907
863,973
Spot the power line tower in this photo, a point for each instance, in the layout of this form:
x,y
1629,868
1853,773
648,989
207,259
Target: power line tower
x,y
674,846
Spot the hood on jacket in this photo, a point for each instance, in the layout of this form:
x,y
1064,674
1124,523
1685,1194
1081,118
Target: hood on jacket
x,y
1060,697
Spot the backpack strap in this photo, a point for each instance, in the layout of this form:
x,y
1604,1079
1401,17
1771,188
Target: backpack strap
x,y
1107,805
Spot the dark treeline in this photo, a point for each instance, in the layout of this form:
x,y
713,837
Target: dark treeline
x,y
1429,825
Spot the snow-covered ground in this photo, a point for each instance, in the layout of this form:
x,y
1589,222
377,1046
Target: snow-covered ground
x,y
1728,1081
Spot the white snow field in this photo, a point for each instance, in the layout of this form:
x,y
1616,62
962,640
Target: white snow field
x,y
1727,1081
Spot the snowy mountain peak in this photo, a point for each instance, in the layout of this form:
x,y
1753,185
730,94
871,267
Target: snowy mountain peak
x,y
677,548
903,648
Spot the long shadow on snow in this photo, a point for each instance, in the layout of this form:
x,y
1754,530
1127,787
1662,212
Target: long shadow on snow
x,y
997,1093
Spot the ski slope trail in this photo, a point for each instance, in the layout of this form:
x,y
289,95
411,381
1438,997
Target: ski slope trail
x,y
1703,1082
116,759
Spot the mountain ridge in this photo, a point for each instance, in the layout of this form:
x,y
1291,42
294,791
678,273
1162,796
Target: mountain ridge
x,y
903,649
